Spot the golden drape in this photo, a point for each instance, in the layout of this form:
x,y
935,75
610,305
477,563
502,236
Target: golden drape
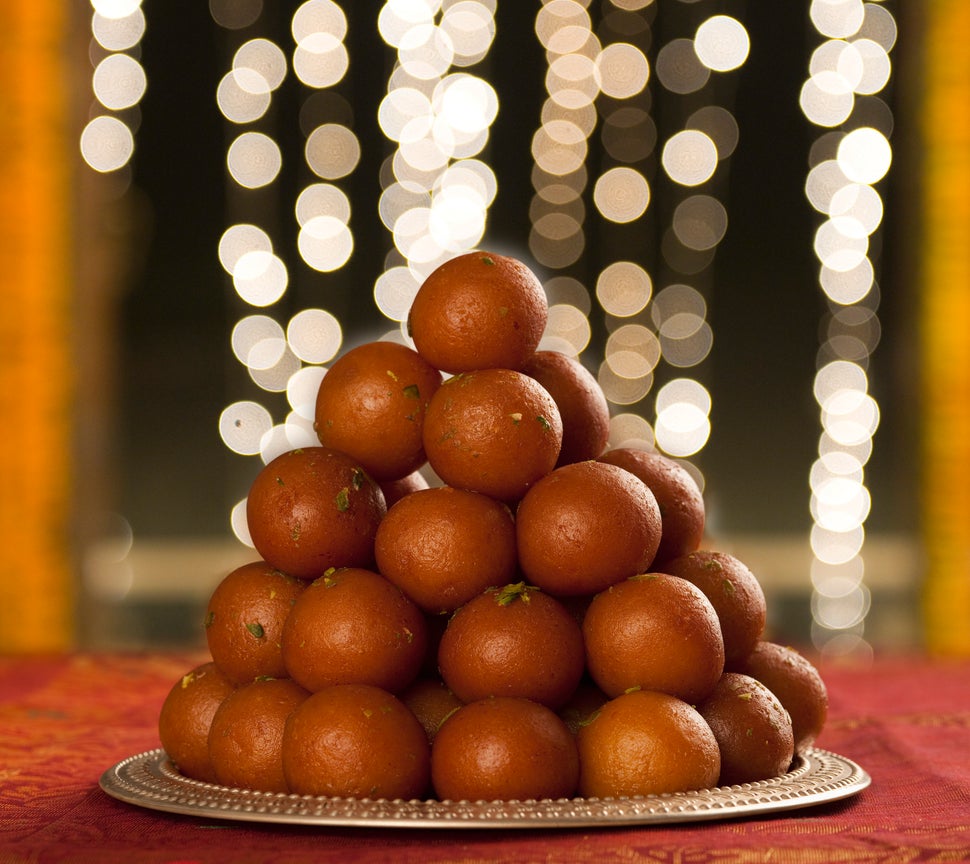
x,y
36,582
944,284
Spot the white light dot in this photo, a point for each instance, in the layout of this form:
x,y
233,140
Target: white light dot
x,y
264,57
320,60
118,34
119,81
322,199
237,240
239,523
821,105
115,8
318,16
242,426
722,43
332,151
243,95
301,391
837,249
254,160
690,157
837,18
394,292
260,278
258,341
314,335
106,144
865,155
623,70
623,288
848,286
276,378
621,194
325,243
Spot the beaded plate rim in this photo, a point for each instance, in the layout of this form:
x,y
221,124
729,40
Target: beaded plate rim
x,y
149,780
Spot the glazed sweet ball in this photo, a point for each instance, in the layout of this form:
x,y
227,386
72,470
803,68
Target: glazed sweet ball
x,y
480,310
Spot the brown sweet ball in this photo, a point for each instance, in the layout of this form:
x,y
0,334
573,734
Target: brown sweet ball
x,y
798,685
246,736
646,743
430,700
186,716
586,526
582,405
753,731
352,626
735,594
494,431
512,641
655,632
681,503
371,405
355,741
395,490
444,546
504,749
312,509
478,311
244,621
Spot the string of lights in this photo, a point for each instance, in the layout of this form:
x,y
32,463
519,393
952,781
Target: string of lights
x,y
118,83
847,71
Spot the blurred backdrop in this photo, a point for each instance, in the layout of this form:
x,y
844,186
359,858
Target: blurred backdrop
x,y
750,219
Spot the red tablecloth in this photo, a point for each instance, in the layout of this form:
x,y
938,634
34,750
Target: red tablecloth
x,y
64,720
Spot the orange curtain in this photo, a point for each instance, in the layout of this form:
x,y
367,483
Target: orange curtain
x,y
944,253
36,581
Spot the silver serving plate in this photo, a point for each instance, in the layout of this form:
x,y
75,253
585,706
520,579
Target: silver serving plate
x,y
150,780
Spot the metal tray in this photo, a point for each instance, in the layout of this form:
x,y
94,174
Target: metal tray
x,y
150,780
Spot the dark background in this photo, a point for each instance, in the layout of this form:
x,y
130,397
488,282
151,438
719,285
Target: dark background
x,y
765,307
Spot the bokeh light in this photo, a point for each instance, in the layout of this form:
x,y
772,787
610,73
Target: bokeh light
x,y
847,69
118,83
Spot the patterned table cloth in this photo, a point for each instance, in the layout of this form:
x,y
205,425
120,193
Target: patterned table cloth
x,y
64,720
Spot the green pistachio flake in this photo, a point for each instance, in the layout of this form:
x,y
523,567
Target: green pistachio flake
x,y
411,391
511,593
256,629
279,481
209,620
342,500
357,478
487,260
728,586
391,375
516,417
745,697
545,424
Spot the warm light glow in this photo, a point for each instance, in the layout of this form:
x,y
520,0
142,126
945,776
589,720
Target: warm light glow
x,y
254,160
621,194
107,143
332,151
690,157
242,426
260,277
722,43
314,335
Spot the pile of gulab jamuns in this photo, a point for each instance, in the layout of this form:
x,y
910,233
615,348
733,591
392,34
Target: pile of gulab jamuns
x,y
540,619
